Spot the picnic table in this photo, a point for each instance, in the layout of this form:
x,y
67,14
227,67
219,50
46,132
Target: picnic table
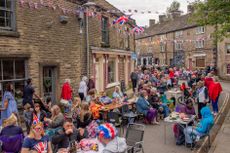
x,y
174,117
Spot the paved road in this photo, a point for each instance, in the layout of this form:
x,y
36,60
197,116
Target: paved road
x,y
154,135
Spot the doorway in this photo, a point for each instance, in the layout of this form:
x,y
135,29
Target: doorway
x,y
49,82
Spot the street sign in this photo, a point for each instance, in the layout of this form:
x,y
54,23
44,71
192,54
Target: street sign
x,y
134,56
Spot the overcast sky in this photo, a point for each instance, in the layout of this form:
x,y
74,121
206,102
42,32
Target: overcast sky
x,y
147,5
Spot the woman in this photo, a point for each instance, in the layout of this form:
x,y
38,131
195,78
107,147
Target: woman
x,y
11,135
38,113
9,104
82,91
66,95
117,94
202,128
202,97
57,118
36,141
90,96
215,89
188,109
144,108
85,116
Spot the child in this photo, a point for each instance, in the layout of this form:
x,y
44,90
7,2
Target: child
x,y
28,111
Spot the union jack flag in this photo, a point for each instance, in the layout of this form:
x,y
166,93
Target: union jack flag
x,y
121,20
41,147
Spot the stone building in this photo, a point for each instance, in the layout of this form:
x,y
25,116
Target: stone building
x,y
178,42
48,42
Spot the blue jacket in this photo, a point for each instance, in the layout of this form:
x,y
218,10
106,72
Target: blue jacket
x,y
142,105
206,122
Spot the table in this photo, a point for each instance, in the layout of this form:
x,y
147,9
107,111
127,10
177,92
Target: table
x,y
174,93
113,106
177,120
100,149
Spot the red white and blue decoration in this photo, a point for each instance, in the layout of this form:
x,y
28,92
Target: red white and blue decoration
x,y
121,20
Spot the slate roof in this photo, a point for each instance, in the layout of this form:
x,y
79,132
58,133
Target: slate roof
x,y
172,25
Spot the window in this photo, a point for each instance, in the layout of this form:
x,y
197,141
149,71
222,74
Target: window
x,y
178,46
127,40
105,30
7,14
150,39
13,71
162,47
228,48
200,44
200,62
228,69
178,34
163,37
111,71
200,30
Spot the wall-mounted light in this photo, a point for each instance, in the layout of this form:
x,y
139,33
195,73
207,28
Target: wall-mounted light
x,y
63,19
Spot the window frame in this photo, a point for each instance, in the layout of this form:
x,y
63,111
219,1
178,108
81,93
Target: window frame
x,y
178,34
12,11
228,69
178,46
200,30
162,47
199,44
104,30
114,73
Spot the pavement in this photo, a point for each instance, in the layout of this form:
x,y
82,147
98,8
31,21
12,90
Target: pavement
x,y
154,134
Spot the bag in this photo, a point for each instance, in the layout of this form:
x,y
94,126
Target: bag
x,y
64,102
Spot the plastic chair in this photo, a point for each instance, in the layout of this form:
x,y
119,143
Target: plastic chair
x,y
134,138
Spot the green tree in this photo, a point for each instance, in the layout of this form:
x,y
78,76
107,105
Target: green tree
x,y
175,6
215,13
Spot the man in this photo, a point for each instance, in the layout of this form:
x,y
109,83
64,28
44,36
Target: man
x,y
28,94
134,79
107,135
65,139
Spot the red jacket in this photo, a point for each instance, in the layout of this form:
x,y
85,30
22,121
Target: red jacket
x,y
207,82
66,91
171,74
214,90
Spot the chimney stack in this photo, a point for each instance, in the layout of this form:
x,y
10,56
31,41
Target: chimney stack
x,y
190,8
162,18
152,22
175,14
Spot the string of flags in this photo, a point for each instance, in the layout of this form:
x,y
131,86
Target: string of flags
x,y
164,41
89,12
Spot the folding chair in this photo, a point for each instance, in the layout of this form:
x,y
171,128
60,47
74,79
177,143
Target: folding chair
x,y
134,138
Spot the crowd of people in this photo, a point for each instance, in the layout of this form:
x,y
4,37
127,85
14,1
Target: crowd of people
x,y
67,125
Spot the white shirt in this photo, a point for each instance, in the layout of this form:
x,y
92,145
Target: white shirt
x,y
83,88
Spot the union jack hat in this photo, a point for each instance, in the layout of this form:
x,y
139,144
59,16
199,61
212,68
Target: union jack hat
x,y
107,131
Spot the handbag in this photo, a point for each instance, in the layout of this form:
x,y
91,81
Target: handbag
x,y
64,102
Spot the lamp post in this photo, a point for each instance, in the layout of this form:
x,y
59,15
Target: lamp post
x,y
87,5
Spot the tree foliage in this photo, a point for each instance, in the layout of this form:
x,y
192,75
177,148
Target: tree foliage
x,y
175,6
215,13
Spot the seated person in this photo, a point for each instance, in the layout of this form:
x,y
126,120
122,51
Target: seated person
x,y
145,108
202,128
107,135
188,109
163,110
154,99
36,141
66,139
117,94
85,116
90,96
105,99
11,135
95,107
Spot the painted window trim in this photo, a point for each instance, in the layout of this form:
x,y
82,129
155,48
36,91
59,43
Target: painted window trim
x,y
110,85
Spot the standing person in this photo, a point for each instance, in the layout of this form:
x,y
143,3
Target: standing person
x,y
107,135
66,94
208,80
9,105
202,97
91,83
36,141
82,91
134,79
215,89
28,94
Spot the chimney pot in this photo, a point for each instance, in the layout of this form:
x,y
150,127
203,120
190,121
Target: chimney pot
x,y
152,22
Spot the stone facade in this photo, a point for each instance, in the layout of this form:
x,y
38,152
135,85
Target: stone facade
x,y
54,51
174,42
224,59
